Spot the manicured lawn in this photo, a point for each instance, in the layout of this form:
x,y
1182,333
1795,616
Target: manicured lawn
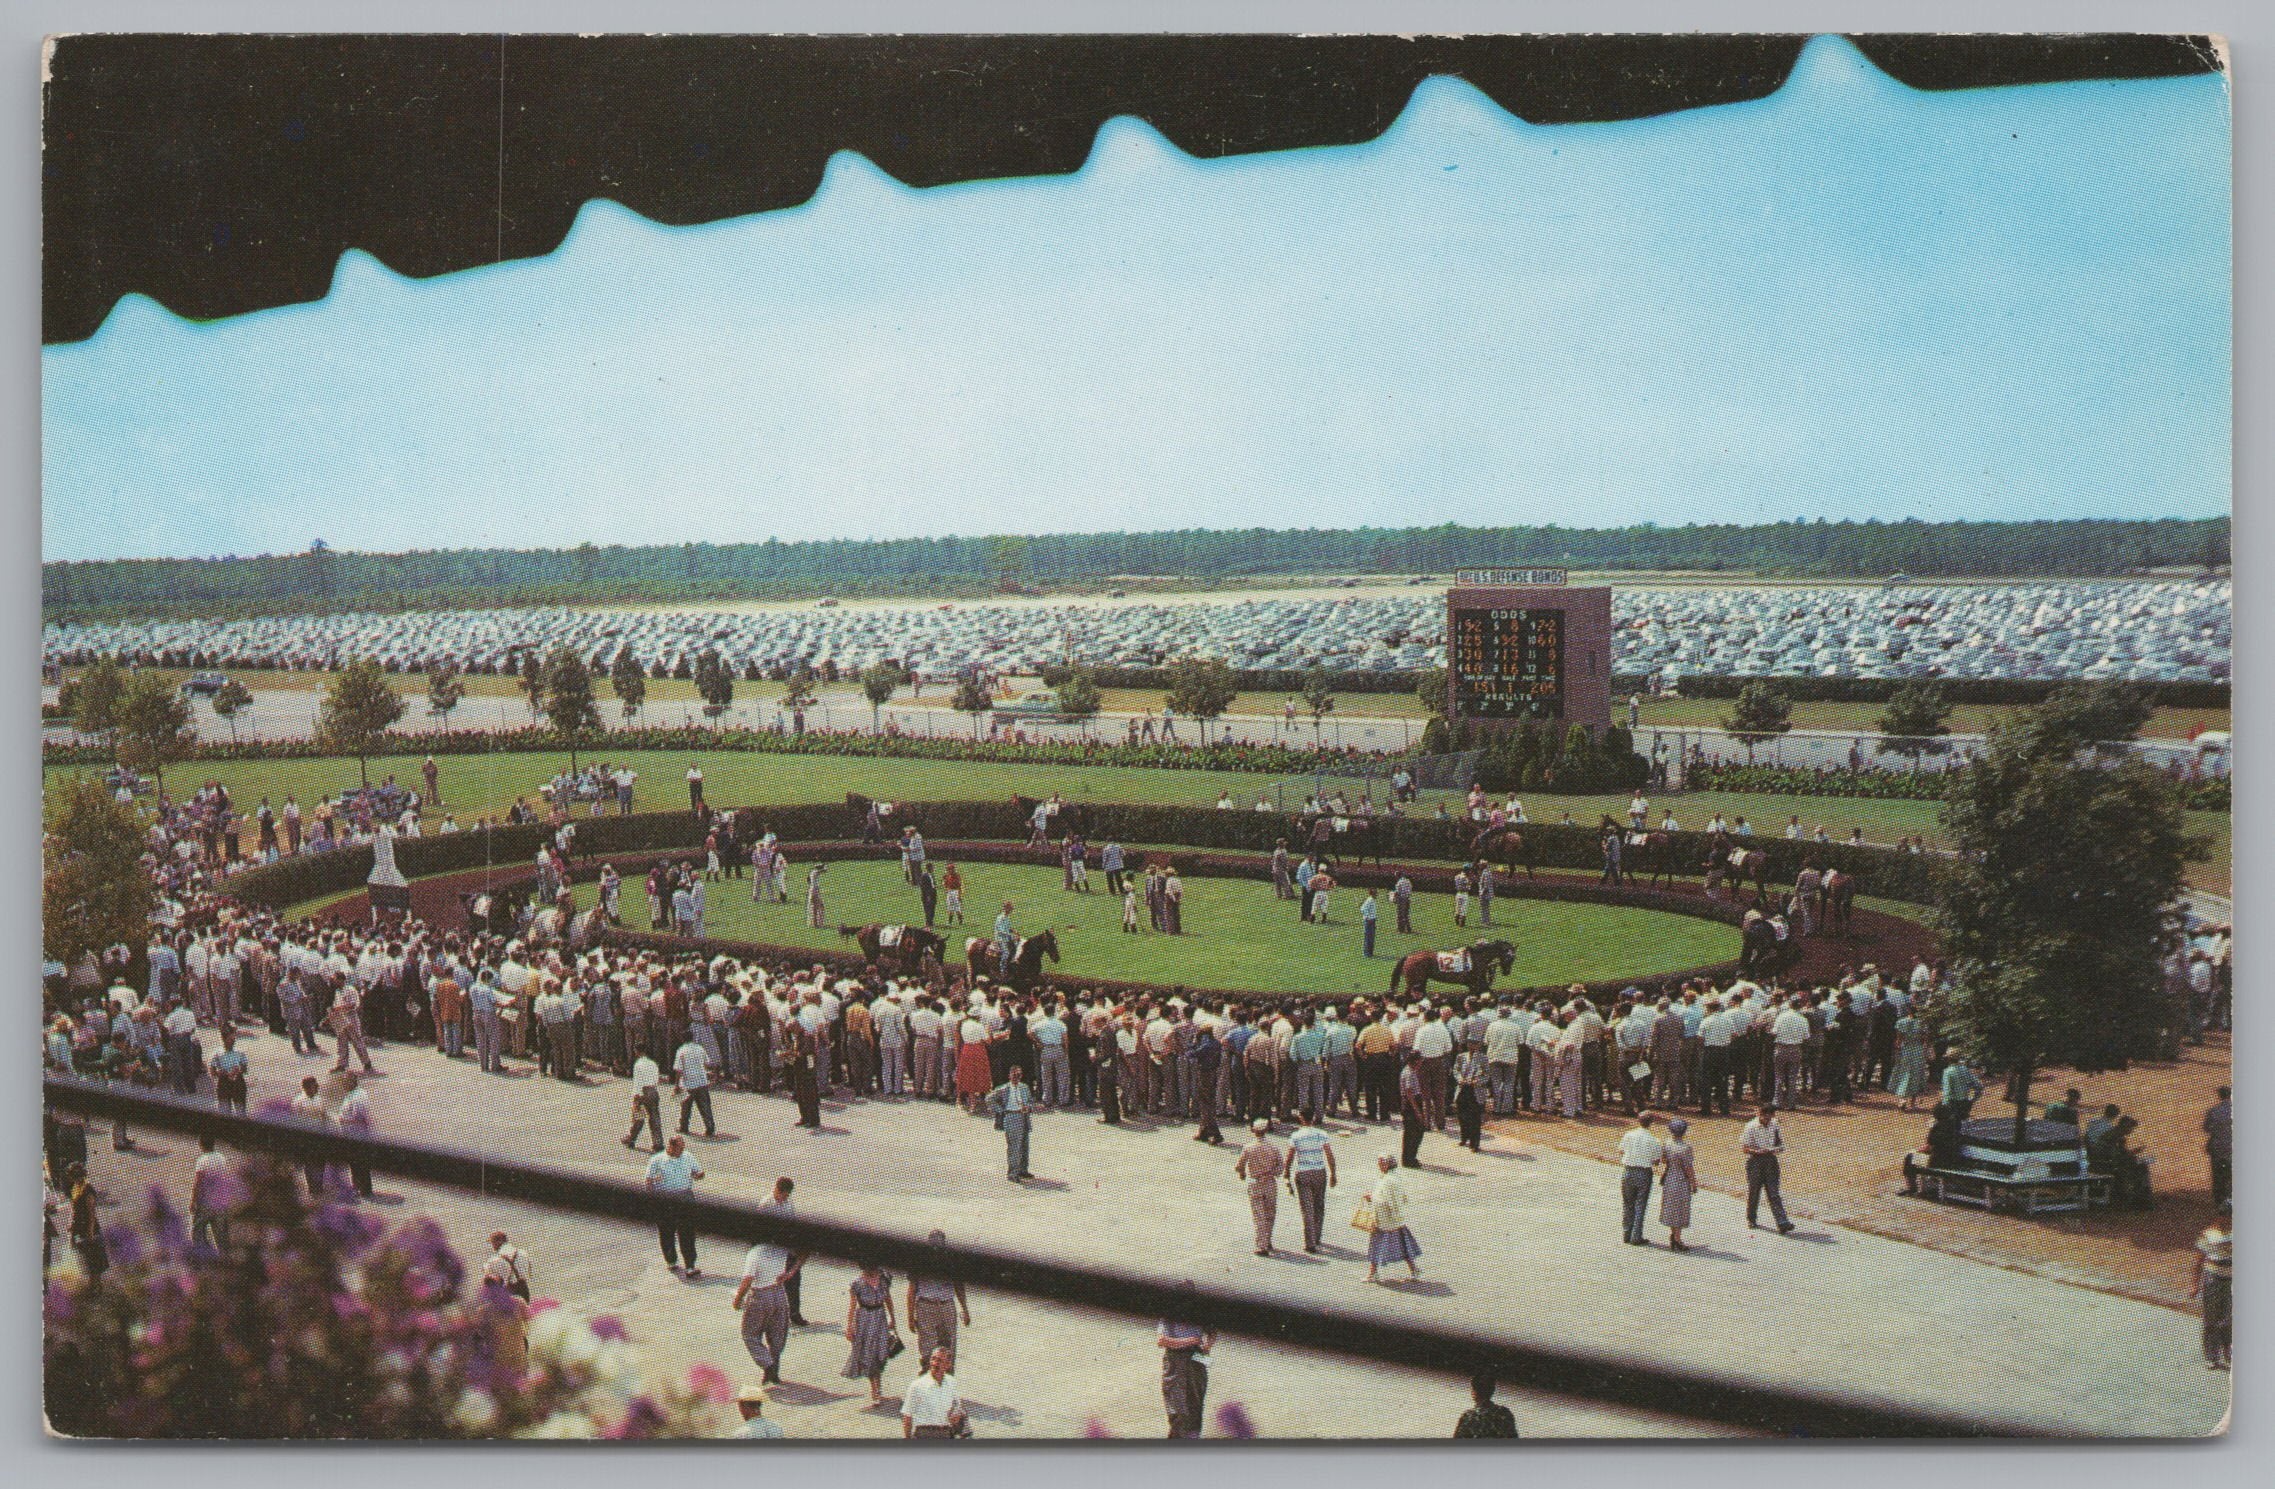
x,y
475,785
1236,934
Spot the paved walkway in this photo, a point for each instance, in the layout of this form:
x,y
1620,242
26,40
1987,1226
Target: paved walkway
x,y
1520,1239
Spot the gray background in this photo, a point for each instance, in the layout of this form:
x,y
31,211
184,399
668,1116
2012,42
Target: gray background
x,y
2241,1458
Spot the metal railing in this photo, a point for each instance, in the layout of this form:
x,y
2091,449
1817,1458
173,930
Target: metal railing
x,y
1562,1370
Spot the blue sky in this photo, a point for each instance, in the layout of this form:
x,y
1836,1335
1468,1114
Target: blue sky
x,y
1849,299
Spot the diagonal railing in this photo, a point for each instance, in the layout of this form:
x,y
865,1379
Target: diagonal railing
x,y
1563,1370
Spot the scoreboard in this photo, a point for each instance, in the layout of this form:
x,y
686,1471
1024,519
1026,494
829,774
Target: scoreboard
x,y
1507,662
1518,648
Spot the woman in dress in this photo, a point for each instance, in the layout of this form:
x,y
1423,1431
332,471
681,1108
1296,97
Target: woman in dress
x,y
1909,1078
869,1329
975,1075
1390,1240
1678,1178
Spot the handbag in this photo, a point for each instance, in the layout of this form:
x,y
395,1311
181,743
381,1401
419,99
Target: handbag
x,y
1362,1218
894,1345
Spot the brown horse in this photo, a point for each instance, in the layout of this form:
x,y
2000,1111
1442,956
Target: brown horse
x,y
1840,900
908,955
1416,970
1726,860
1507,847
1026,969
1652,859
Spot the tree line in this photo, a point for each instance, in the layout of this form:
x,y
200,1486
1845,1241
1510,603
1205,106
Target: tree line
x,y
326,579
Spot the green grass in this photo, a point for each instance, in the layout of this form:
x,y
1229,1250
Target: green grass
x,y
1236,933
486,785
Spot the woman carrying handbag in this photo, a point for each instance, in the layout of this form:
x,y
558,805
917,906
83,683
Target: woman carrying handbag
x,y
1388,1239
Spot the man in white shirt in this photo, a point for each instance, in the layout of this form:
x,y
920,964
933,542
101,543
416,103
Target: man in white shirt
x,y
647,1102
762,1297
691,1072
1762,1143
209,1182
1639,1153
1788,1032
889,1020
924,1041
1433,1041
674,1172
930,1407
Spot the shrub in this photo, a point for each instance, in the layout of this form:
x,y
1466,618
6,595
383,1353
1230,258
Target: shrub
x,y
323,1321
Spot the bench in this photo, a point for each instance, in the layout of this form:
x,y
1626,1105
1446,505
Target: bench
x,y
1995,1189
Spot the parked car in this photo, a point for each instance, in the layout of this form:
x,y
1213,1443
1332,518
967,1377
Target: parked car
x,y
205,684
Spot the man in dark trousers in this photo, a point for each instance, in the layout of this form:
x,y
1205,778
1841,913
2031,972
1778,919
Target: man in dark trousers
x,y
1763,1145
805,1080
1413,1106
927,891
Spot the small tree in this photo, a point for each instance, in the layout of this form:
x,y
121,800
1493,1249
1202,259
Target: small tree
x,y
879,681
970,697
95,700
533,683
628,682
1078,695
714,684
569,705
153,727
2098,713
444,690
798,692
1430,687
1915,721
359,708
1762,713
1201,688
1318,698
2061,903
229,700
93,890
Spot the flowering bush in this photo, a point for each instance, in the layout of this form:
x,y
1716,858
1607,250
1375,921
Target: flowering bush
x,y
2213,794
320,1321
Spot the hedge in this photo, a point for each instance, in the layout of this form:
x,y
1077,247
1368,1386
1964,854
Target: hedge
x,y
1207,865
1991,690
1265,759
1881,872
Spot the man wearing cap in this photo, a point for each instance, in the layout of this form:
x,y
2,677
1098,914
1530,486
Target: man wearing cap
x,y
749,1400
1261,1164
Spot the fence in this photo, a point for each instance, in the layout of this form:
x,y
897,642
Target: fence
x,y
1833,749
1562,1370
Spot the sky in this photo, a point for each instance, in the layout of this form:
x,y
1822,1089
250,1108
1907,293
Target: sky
x,y
1850,299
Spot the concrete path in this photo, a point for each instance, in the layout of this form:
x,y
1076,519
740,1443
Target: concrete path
x,y
1520,1239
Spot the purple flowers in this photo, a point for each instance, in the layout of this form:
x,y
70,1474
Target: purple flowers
x,y
323,1322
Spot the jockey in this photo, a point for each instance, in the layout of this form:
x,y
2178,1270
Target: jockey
x,y
1006,939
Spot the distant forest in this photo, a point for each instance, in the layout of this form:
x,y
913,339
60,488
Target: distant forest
x,y
324,579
